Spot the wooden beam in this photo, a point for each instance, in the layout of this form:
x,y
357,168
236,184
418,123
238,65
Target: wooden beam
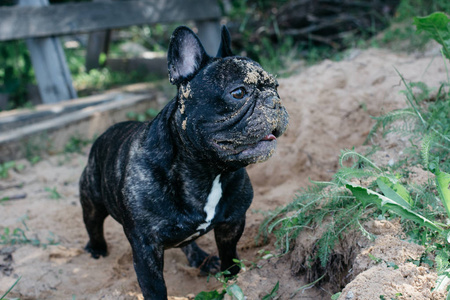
x,y
98,43
49,63
59,19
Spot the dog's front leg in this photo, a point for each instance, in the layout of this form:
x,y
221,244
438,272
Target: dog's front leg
x,y
227,235
148,260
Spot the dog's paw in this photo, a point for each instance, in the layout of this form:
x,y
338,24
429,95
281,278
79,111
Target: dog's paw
x,y
96,252
210,265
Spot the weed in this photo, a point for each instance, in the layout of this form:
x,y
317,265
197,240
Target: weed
x,y
231,289
336,296
401,34
2,297
18,236
35,159
273,292
16,72
437,27
76,144
229,286
5,167
53,193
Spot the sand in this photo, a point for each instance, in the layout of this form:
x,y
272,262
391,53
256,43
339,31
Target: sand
x,y
330,105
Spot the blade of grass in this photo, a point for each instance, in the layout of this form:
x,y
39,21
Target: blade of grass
x,y
9,290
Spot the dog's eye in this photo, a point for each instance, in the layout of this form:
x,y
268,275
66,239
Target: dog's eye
x,y
238,93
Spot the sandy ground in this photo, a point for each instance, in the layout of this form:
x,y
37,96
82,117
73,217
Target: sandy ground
x,y
330,105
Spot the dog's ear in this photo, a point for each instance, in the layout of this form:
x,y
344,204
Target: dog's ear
x,y
186,55
225,43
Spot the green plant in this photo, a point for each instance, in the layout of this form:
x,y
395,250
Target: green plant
x,y
437,26
336,296
407,9
16,72
34,159
361,189
381,190
229,286
5,167
76,144
273,292
53,193
18,236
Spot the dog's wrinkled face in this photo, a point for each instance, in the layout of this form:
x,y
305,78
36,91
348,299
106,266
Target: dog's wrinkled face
x,y
228,107
238,115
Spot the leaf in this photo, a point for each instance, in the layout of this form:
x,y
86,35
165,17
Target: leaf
x,y
336,296
213,295
375,259
367,196
235,291
392,265
102,58
437,25
272,293
395,191
442,183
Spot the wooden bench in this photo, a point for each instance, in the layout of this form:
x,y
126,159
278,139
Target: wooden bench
x,y
40,24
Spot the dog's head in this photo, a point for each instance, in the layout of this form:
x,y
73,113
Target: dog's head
x,y
228,106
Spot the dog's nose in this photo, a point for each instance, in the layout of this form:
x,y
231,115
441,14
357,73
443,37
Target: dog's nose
x,y
272,102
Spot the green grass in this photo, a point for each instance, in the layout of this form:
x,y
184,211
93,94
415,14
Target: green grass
x,y
18,236
76,144
53,193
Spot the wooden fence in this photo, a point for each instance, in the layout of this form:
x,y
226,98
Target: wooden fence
x,y
40,24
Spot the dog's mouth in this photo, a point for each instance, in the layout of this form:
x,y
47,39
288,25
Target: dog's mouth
x,y
250,151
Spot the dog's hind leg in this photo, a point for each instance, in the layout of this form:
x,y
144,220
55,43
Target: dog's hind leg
x,y
94,215
208,264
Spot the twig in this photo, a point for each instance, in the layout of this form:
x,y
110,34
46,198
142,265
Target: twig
x,y
7,187
14,197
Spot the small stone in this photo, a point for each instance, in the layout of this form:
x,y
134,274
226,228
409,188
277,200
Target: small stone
x,y
349,295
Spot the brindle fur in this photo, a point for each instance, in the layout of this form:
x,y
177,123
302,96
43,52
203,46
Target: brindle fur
x,y
154,178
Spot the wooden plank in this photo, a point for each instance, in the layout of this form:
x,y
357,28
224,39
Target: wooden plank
x,y
50,66
24,22
98,43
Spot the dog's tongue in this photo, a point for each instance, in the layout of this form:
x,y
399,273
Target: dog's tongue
x,y
269,137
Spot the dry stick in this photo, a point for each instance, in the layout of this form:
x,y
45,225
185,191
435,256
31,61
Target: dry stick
x,y
6,187
14,197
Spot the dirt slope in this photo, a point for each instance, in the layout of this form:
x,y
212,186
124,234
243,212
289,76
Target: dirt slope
x,y
329,105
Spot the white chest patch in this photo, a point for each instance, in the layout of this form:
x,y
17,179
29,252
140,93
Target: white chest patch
x,y
210,208
213,199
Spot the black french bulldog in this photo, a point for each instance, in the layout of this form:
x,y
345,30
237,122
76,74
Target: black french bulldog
x,y
175,178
